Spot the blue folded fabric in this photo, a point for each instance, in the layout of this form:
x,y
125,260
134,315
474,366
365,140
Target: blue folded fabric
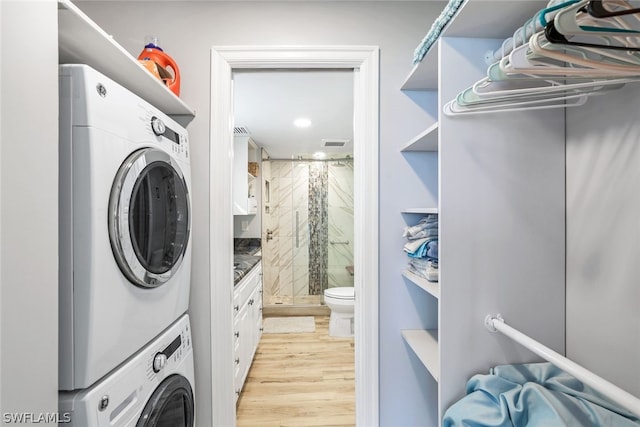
x,y
533,395
428,249
436,29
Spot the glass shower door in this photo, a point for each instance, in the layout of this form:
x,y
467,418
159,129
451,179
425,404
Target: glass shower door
x,y
340,223
307,230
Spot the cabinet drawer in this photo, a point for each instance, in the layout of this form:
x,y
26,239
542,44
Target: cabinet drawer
x,y
245,288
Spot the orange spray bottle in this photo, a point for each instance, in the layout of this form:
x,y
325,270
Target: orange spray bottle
x,y
167,68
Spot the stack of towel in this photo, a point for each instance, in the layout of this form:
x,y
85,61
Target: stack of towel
x,y
422,247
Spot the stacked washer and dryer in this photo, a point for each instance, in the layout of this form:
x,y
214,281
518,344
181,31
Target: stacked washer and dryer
x,y
125,351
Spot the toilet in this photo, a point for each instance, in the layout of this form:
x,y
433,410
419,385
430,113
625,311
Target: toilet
x,y
341,301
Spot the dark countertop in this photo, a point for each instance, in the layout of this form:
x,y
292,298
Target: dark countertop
x,y
244,257
242,265
246,246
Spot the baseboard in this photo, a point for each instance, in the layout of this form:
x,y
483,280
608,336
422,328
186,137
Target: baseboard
x,y
273,311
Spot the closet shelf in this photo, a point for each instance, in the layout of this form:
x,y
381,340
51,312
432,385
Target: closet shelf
x,y
424,344
425,141
432,288
82,41
491,18
420,211
424,75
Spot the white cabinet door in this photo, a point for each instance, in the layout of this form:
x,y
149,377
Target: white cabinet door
x,y
255,320
247,324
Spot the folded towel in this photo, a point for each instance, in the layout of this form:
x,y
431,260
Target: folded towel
x,y
424,263
425,268
426,227
414,245
423,248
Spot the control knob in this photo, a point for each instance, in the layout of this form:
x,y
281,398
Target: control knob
x,y
159,361
157,126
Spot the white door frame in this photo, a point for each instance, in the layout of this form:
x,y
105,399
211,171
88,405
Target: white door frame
x,y
365,61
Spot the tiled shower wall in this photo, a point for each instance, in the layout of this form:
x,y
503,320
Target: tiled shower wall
x,y
300,197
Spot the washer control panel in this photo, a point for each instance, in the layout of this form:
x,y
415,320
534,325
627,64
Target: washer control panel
x,y
167,133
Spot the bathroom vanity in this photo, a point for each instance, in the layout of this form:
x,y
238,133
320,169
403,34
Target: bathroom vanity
x,y
247,311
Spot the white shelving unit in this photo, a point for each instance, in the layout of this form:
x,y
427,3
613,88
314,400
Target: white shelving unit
x,y
82,41
486,183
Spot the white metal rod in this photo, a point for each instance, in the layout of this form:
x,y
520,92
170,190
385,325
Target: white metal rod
x,y
611,391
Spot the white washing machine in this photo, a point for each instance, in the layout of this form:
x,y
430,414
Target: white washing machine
x,y
155,388
125,224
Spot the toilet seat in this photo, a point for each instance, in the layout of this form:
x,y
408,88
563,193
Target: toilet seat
x,y
341,293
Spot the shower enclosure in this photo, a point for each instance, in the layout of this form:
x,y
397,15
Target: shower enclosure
x,y
307,229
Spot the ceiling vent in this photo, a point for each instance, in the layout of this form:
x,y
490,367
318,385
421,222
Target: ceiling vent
x,y
241,131
334,142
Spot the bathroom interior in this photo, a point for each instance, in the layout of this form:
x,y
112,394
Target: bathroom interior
x,y
302,191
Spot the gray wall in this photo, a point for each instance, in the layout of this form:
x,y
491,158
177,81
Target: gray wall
x,y
29,208
603,236
187,31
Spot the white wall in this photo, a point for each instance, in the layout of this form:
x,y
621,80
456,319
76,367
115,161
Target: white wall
x,y
603,236
29,214
187,31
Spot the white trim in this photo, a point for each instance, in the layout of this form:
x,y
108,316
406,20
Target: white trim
x,y
365,60
221,245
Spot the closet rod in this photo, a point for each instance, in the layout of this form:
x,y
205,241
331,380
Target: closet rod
x,y
611,391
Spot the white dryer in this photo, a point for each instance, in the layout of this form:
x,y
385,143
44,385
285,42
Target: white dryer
x,y
125,224
155,388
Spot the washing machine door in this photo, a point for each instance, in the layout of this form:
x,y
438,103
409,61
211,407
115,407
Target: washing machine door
x,y
149,217
170,405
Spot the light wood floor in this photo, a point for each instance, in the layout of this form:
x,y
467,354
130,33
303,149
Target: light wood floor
x,y
300,380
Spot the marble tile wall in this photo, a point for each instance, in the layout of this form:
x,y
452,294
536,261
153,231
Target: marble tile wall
x,y
318,227
340,222
298,259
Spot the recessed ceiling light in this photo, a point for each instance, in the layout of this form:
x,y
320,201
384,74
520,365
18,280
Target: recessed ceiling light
x,y
302,123
319,155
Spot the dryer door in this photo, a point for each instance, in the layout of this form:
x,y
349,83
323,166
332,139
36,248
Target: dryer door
x,y
149,217
170,405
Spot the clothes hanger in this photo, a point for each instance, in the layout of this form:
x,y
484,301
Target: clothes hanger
x,y
530,27
533,59
592,67
538,74
628,57
554,36
452,109
596,8
552,10
566,23
540,46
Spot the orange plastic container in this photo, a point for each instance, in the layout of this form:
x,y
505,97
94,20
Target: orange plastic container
x,y
153,52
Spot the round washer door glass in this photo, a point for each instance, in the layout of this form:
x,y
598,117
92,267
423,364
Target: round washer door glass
x,y
170,405
149,217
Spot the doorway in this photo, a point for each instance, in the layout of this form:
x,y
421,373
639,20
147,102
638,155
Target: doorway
x,y
364,61
301,121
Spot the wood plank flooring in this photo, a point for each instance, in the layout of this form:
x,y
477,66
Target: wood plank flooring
x,y
300,380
